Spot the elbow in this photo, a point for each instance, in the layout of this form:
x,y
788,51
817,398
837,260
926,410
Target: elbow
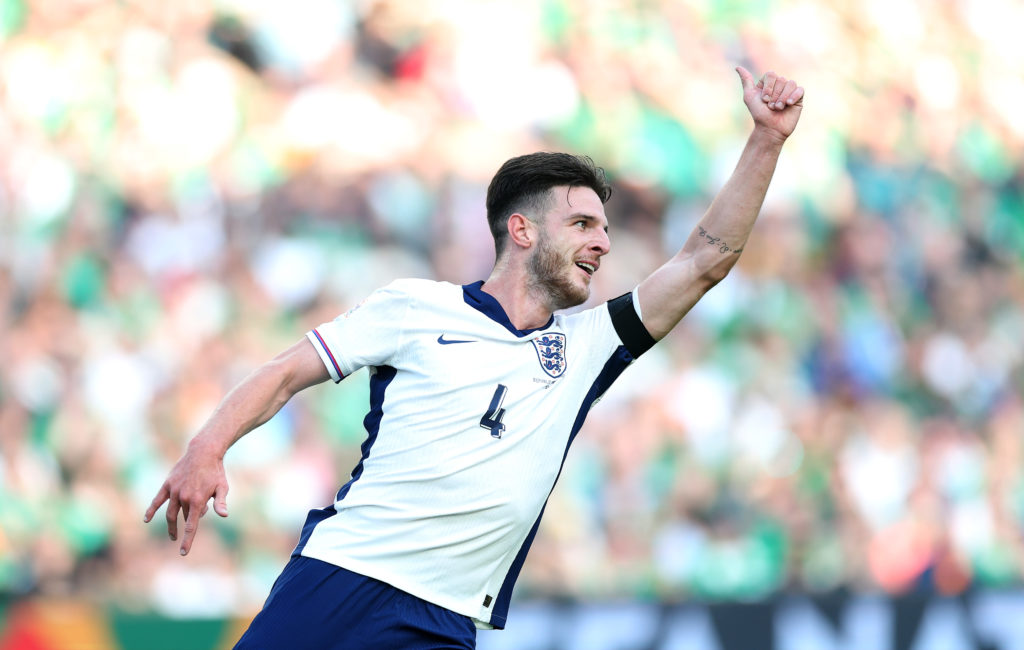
x,y
282,378
709,266
273,382
713,277
714,273
296,369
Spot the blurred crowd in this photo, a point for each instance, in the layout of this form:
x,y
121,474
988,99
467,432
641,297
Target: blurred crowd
x,y
186,188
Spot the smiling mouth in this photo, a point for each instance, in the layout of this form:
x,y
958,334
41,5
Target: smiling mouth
x,y
587,267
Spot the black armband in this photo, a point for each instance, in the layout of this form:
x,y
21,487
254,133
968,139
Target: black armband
x,y
628,325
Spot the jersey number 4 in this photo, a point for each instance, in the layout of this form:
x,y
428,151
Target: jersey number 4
x,y
492,418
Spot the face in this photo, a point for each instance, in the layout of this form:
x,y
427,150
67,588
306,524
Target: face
x,y
572,238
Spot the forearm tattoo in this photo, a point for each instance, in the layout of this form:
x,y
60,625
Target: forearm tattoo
x,y
717,241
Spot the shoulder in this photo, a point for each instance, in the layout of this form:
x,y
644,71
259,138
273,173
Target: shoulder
x,y
419,289
392,300
583,318
618,318
416,294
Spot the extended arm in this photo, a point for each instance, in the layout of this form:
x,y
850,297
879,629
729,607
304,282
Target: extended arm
x,y
199,474
714,246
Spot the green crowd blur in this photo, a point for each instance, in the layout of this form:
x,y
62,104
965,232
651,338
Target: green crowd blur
x,y
187,188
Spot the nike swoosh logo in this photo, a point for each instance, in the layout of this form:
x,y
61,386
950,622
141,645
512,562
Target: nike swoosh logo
x,y
443,341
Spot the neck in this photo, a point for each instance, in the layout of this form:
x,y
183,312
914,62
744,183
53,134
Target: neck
x,y
511,288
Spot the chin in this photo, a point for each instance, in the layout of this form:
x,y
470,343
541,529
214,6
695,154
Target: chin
x,y
569,295
557,278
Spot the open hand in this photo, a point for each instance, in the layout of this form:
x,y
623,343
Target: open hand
x,y
774,102
195,478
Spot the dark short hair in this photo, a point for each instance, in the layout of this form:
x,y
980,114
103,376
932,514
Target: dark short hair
x,y
522,183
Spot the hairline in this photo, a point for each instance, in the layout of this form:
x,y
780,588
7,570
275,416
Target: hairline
x,y
550,199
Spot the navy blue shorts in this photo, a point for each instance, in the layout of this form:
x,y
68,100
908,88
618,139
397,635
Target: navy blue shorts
x,y
314,604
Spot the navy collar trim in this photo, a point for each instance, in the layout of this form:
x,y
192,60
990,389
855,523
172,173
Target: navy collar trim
x,y
488,305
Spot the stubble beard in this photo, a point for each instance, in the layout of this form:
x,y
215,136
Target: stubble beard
x,y
550,276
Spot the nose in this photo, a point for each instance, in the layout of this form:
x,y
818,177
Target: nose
x,y
601,245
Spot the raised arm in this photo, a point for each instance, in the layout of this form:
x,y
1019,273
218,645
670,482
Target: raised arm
x,y
199,474
714,246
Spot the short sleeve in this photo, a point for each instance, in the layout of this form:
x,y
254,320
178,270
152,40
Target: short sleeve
x,y
369,334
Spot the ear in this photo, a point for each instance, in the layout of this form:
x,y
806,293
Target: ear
x,y
521,231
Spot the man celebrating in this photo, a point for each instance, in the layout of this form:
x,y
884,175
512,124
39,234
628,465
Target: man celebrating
x,y
477,392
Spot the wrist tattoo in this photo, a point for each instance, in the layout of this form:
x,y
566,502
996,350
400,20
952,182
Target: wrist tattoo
x,y
717,241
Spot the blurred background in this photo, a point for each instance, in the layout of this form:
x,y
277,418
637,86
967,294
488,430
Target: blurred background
x,y
186,188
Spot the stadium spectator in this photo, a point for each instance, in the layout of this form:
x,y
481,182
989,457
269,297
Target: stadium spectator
x,y
163,182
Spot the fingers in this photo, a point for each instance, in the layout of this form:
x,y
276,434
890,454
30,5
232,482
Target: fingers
x,y
155,504
778,92
768,81
746,78
780,86
172,517
192,509
188,489
773,89
192,516
785,94
220,500
796,98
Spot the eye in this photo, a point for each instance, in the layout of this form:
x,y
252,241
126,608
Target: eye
x,y
582,223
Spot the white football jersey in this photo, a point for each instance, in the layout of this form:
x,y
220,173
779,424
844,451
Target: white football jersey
x,y
470,421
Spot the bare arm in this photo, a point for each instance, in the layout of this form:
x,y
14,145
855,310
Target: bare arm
x,y
714,246
199,474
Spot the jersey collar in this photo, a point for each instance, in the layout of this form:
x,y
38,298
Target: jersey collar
x,y
487,305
